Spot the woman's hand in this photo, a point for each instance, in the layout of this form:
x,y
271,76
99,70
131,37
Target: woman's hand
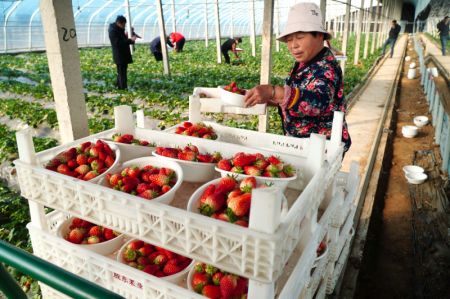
x,y
260,94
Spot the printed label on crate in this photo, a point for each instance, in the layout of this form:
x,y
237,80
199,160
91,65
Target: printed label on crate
x,y
127,280
233,137
287,145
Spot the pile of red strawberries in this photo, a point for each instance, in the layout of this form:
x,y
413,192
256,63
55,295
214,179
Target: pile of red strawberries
x,y
229,200
188,153
257,165
147,182
85,162
129,139
232,87
216,284
85,232
321,248
154,260
196,130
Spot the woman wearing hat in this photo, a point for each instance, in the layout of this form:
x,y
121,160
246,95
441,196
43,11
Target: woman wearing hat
x,y
314,88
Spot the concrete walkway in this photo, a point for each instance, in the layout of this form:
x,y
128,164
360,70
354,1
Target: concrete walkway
x,y
364,117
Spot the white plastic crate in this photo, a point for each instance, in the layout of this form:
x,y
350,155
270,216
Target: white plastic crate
x,y
102,270
244,251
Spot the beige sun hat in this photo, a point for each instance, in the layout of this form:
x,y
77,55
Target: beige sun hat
x,y
304,17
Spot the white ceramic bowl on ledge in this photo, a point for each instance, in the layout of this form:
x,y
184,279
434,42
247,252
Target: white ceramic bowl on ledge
x,y
420,121
416,178
410,131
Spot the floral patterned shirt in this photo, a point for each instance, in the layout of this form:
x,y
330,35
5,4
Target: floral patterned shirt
x,y
313,91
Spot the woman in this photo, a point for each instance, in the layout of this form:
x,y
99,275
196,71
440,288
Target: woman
x,y
314,89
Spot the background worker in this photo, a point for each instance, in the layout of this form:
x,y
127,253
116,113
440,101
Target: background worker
x,y
230,45
393,35
177,39
155,48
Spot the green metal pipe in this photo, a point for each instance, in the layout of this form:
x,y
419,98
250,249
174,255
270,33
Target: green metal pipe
x,y
53,276
8,286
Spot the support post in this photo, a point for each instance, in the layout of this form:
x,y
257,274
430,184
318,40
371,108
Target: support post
x,y
346,30
162,36
277,25
252,27
216,12
231,20
358,33
323,10
266,54
64,65
128,14
206,24
376,26
369,20
174,21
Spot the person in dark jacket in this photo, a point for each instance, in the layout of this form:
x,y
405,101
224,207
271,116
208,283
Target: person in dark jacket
x,y
230,45
155,47
393,35
443,33
121,50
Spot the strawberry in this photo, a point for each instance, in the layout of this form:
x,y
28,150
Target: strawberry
x,y
75,236
63,168
53,164
146,250
72,163
208,136
144,143
289,170
159,179
108,234
252,170
216,157
212,291
149,194
217,277
235,192
143,260
135,244
242,223
85,145
226,184
165,189
242,160
241,287
171,268
272,168
170,153
248,184
273,160
77,222
269,174
221,216
205,158
159,150
97,164
212,203
191,147
129,255
65,157
115,179
133,172
90,175
82,169
179,130
228,284
199,280
96,231
160,259
151,269
167,171
93,240
199,267
187,124
237,169
187,156
142,187
102,156
239,205
93,152
210,189
224,165
130,181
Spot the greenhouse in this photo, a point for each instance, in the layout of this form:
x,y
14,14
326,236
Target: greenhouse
x,y
224,149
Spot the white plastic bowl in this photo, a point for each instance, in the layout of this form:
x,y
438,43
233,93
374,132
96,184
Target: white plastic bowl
x,y
193,203
416,178
176,278
154,161
420,121
103,248
411,74
412,65
231,98
407,58
434,72
412,169
194,172
410,131
277,182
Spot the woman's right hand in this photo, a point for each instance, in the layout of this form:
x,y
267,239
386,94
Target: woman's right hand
x,y
260,94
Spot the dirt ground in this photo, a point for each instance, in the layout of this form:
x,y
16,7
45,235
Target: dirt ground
x,y
388,269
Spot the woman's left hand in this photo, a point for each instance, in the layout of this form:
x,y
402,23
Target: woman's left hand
x,y
260,94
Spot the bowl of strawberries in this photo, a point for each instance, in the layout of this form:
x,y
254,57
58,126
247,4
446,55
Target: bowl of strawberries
x,y
151,178
232,95
321,252
155,260
90,236
199,129
212,282
198,167
90,161
270,169
228,199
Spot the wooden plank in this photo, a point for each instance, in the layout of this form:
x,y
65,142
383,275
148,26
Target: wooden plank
x,y
346,30
216,12
162,36
358,33
369,20
206,24
252,28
